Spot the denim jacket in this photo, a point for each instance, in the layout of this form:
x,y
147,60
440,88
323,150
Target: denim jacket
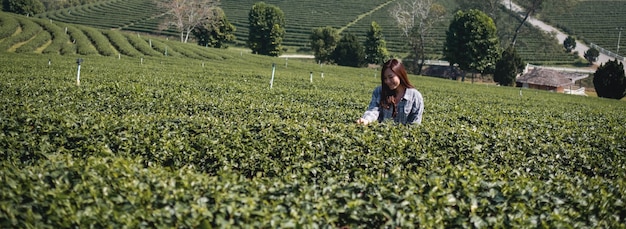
x,y
410,108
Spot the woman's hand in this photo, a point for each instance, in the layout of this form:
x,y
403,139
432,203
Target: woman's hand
x,y
362,121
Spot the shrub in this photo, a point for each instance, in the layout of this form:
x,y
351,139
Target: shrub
x,y
609,80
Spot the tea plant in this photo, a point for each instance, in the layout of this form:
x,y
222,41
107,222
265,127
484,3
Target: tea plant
x,y
180,142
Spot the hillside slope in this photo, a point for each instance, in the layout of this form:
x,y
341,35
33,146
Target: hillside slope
x,y
35,35
302,17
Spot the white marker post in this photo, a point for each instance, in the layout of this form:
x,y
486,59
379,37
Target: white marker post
x,y
273,71
49,62
166,51
286,59
311,78
78,61
142,61
322,75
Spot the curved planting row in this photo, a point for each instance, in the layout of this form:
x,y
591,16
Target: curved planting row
x,y
164,49
40,39
101,42
47,36
8,25
151,25
29,29
83,44
121,43
109,14
145,47
59,38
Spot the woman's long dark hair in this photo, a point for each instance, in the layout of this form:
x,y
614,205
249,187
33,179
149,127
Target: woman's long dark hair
x,y
387,98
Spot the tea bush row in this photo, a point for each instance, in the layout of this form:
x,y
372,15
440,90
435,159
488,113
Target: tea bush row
x,y
59,38
39,40
99,40
121,43
83,43
87,41
9,25
29,30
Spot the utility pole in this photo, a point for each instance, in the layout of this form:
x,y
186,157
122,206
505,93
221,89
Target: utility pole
x,y
618,38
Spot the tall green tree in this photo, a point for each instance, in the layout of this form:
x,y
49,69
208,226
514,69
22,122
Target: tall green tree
x,y
507,68
609,80
375,45
416,19
216,34
323,42
266,29
25,7
349,51
569,44
591,55
472,42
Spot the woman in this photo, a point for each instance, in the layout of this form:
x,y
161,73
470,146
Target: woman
x,y
395,99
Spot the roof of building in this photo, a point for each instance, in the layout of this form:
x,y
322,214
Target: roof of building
x,y
545,77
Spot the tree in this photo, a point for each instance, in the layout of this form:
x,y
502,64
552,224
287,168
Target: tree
x,y
609,80
375,45
472,42
28,7
267,29
416,19
535,6
591,55
187,15
215,34
569,44
323,42
507,68
349,52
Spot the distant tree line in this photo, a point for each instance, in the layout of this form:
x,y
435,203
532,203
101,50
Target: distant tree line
x,y
331,47
24,7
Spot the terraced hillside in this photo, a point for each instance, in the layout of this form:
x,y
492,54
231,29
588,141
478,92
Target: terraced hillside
x,y
35,35
133,15
142,16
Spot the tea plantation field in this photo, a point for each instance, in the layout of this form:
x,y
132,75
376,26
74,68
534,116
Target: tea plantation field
x,y
142,16
163,141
